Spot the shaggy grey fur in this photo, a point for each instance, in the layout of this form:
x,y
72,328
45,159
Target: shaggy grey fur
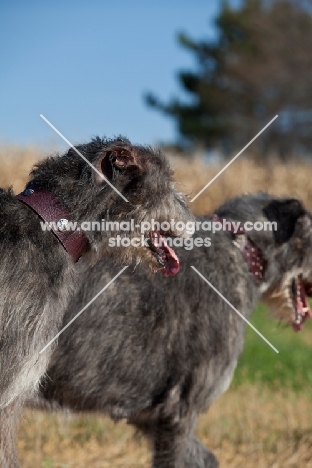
x,y
159,352
38,276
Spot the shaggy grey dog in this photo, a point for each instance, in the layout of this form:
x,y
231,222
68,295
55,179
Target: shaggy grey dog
x,y
38,271
157,352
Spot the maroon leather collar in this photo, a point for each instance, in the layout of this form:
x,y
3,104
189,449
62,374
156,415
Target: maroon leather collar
x,y
249,250
51,210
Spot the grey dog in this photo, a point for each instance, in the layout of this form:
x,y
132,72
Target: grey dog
x,y
157,352
38,266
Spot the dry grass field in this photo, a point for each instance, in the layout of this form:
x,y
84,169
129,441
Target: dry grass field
x,y
243,176
246,427
254,426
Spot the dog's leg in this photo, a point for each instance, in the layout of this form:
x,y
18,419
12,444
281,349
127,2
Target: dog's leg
x,y
171,441
198,456
9,419
175,446
169,445
175,449
168,439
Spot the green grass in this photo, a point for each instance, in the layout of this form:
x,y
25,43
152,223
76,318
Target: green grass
x,y
47,463
290,368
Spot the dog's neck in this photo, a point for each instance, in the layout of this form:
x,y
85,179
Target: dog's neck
x,y
57,219
247,247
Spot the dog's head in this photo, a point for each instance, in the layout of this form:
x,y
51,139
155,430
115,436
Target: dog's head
x,y
289,272
143,175
129,191
285,244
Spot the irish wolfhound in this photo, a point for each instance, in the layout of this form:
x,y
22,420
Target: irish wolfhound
x,y
38,271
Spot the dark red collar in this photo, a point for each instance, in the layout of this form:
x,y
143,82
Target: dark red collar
x,y
51,210
249,250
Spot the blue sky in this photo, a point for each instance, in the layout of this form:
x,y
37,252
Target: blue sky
x,y
85,65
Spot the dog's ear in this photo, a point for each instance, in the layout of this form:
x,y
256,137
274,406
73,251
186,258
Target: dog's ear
x,y
115,158
285,213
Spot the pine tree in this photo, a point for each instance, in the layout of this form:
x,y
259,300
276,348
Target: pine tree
x,y
260,65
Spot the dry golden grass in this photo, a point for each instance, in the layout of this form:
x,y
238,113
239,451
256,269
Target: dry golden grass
x,y
243,176
16,163
248,426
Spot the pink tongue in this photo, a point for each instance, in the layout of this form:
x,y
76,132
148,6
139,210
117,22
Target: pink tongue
x,y
172,265
302,303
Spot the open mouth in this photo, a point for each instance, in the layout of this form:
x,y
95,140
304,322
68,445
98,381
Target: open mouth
x,y
165,255
299,290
